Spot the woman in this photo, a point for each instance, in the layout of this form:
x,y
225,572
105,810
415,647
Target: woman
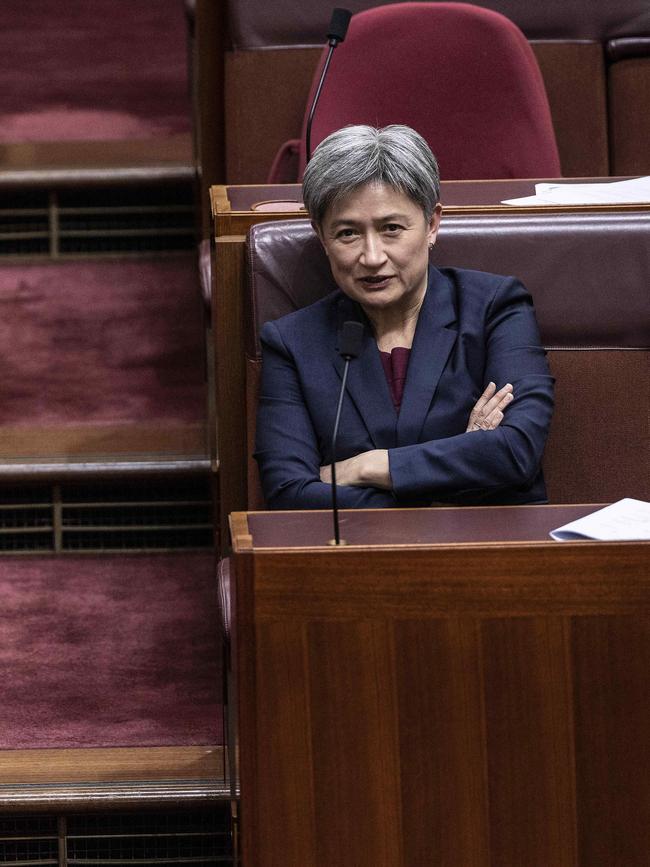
x,y
450,399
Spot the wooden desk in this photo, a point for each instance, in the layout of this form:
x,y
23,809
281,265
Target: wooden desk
x,y
451,688
493,241
235,208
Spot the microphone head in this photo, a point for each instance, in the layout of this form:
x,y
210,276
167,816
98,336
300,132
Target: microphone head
x,y
338,25
350,339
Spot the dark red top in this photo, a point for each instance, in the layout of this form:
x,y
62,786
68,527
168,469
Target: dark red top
x,y
395,365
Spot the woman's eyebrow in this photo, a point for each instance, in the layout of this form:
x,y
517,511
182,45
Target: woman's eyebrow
x,y
384,218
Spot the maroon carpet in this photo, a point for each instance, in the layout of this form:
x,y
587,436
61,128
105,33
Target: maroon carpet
x,y
102,341
106,69
110,651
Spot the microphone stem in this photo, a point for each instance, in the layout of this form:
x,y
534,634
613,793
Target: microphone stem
x,y
335,510
316,98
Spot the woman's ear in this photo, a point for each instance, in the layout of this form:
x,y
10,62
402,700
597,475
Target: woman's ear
x,y
434,225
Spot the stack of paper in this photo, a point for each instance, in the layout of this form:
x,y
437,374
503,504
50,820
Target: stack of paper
x,y
612,193
627,520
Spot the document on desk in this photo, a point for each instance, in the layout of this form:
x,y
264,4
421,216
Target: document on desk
x,y
632,191
624,521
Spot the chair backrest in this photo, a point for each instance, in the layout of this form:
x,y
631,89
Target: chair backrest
x,y
464,77
588,275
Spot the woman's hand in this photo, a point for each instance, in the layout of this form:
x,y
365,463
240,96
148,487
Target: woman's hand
x,y
371,469
487,413
366,470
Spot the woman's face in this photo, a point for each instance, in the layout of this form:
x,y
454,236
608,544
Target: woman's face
x,y
377,241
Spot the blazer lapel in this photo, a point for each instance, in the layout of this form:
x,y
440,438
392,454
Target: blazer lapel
x,y
366,384
435,336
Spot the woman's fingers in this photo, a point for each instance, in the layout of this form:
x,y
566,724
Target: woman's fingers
x,y
487,413
484,398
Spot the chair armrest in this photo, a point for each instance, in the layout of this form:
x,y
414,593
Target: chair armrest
x,y
284,169
628,47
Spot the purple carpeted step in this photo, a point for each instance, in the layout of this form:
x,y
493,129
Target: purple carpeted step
x,y
110,651
102,342
110,69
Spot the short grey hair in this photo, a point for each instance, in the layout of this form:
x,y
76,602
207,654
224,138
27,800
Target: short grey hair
x,y
358,155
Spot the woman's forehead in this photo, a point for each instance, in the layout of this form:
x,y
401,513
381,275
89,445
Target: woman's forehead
x,y
373,200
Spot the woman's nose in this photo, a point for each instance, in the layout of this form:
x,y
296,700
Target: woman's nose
x,y
373,253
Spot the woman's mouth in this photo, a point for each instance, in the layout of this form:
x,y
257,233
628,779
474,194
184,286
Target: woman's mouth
x,y
376,281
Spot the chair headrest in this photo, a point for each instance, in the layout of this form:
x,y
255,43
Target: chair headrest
x,y
588,273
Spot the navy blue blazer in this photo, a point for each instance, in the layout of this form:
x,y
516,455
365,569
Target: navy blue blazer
x,y
473,328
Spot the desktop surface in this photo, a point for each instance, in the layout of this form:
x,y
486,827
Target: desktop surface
x,y
398,527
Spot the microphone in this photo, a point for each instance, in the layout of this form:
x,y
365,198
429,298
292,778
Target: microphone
x,y
338,28
336,33
350,341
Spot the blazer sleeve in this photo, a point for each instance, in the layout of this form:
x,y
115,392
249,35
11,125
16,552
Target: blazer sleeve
x,y
509,456
287,449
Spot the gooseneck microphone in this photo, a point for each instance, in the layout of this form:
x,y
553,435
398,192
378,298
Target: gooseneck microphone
x,y
350,341
338,28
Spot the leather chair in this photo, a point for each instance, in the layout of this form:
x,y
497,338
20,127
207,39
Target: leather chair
x,y
588,275
464,77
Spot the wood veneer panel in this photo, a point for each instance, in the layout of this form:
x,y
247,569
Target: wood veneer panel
x,y
612,720
355,745
629,97
111,765
101,441
490,580
75,158
385,670
530,741
284,822
266,92
574,77
442,743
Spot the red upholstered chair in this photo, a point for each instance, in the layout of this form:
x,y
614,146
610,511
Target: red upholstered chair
x,y
463,76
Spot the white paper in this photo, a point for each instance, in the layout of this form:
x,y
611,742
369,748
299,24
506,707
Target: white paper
x,y
632,191
624,521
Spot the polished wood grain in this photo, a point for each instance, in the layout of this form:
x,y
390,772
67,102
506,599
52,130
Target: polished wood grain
x,y
121,777
468,704
101,441
80,161
111,764
612,721
482,580
443,758
235,208
529,740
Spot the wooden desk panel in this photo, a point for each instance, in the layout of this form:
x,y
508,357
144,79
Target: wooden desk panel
x,y
462,704
235,208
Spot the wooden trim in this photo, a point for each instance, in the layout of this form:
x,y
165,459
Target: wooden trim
x,y
219,201
168,158
100,441
230,222
242,539
239,222
110,777
111,765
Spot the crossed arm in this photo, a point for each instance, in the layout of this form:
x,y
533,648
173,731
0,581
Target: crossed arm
x,y
372,469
